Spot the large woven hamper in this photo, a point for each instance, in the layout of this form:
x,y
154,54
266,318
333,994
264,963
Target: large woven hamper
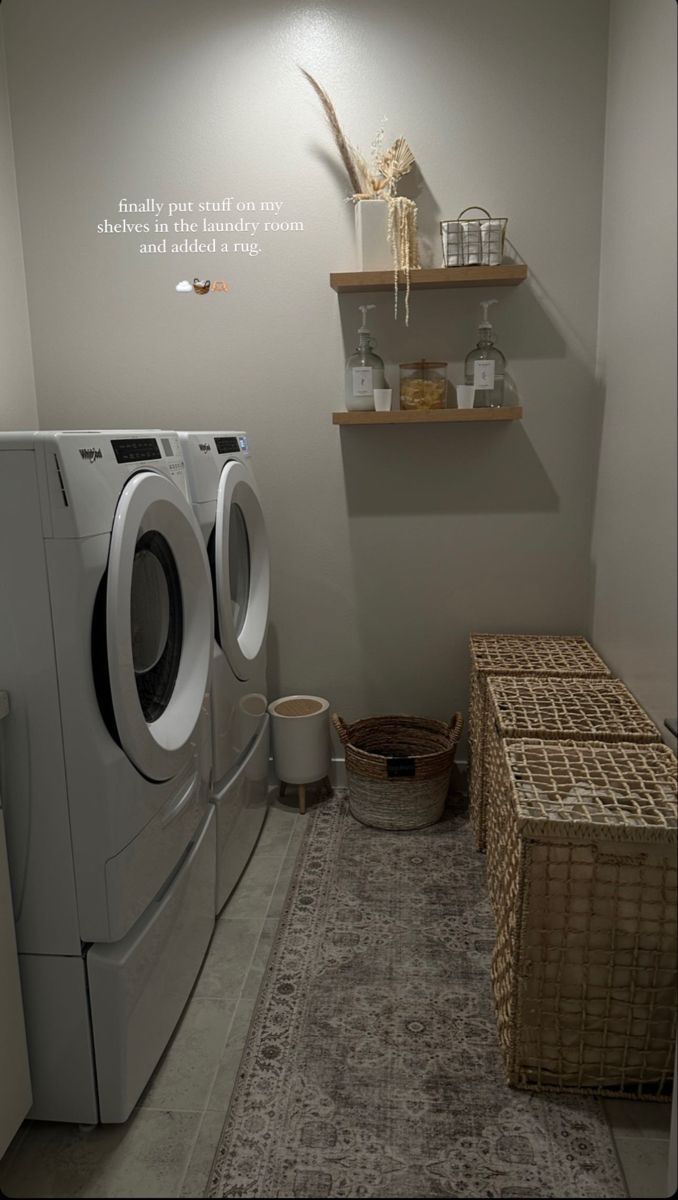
x,y
584,966
566,655
556,708
398,768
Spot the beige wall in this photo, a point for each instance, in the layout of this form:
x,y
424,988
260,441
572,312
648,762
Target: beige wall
x,y
17,386
634,544
388,545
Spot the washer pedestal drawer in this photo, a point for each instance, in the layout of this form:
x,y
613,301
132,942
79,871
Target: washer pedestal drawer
x,y
240,802
139,985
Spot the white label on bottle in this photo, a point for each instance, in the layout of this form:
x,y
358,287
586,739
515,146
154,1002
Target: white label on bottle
x,y
483,374
362,381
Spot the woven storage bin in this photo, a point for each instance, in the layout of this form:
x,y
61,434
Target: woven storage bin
x,y
584,966
516,654
398,768
600,710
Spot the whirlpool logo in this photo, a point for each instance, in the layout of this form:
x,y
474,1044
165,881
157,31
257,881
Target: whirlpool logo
x,y
91,454
205,447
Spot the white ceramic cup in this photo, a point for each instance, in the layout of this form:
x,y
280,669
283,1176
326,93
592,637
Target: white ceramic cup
x,y
383,398
465,395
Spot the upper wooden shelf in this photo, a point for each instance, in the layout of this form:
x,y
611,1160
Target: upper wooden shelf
x,y
430,277
431,416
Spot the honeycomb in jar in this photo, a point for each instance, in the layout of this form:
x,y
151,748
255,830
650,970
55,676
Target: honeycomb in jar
x,y
422,393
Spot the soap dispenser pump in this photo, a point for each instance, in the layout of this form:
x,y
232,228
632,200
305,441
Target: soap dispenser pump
x,y
485,366
364,369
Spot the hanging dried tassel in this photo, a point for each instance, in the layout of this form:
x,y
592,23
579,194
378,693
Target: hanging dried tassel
x,y
402,236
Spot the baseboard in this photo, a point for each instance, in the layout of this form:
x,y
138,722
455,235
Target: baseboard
x,y
338,771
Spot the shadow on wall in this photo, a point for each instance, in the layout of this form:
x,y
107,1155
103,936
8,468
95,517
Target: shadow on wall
x,y
467,469
467,527
444,326
272,663
597,438
415,187
338,172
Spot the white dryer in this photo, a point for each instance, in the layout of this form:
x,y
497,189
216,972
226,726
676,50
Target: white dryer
x,y
106,634
226,503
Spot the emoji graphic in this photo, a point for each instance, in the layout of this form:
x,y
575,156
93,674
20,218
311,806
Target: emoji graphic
x,y
184,286
201,286
219,286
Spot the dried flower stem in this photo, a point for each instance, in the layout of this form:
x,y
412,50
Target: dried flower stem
x,y
358,182
390,166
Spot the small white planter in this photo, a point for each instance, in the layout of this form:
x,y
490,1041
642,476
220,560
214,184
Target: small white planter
x,y
371,232
301,741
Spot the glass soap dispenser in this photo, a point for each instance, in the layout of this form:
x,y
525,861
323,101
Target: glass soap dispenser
x,y
364,369
485,366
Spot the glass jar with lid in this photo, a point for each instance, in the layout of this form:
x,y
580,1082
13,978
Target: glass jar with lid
x,y
423,384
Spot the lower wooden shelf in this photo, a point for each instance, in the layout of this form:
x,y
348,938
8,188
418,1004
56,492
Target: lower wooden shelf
x,y
435,416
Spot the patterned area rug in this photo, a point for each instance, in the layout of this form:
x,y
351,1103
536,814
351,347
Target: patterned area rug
x,y
372,1066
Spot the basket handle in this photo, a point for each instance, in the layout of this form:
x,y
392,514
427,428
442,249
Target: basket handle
x,y
455,727
341,728
470,209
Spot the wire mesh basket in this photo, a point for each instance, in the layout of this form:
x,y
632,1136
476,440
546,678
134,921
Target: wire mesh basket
x,y
473,241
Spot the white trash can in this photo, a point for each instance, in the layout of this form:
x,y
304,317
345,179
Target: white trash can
x,y
300,727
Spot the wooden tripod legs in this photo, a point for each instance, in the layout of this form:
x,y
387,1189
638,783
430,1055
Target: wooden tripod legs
x,y
325,788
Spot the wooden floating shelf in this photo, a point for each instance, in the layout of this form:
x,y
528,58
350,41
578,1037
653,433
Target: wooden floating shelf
x,y
434,277
435,416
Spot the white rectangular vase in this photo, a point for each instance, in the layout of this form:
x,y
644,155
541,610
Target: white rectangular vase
x,y
371,231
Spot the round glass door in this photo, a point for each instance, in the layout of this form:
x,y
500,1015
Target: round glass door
x,y
159,624
241,570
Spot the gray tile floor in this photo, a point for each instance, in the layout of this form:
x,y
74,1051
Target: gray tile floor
x,y
167,1145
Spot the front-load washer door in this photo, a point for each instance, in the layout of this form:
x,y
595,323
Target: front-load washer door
x,y
242,570
159,624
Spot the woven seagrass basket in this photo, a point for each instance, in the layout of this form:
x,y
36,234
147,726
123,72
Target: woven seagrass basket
x,y
517,654
584,967
398,768
549,708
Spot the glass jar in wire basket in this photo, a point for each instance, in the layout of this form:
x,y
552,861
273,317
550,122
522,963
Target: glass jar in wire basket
x,y
423,385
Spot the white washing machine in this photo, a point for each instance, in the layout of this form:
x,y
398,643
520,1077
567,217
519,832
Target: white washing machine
x,y
15,1091
106,634
227,505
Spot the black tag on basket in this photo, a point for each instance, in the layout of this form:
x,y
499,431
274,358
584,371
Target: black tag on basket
x,y
400,768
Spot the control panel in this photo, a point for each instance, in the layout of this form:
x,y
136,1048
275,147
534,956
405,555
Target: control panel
x,y
135,449
227,445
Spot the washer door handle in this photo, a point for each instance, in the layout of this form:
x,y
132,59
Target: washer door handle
x,y
178,806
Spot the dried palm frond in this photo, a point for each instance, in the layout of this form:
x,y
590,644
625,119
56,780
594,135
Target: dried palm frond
x,y
395,162
355,164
